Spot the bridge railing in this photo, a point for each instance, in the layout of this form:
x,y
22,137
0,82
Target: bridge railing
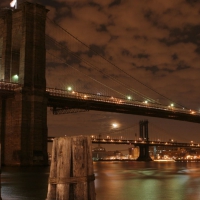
x,y
140,142
10,86
123,101
97,140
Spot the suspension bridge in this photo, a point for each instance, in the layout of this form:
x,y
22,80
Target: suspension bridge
x,y
63,101
141,140
133,135
30,50
96,139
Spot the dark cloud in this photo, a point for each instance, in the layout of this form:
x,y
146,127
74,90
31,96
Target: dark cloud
x,y
187,34
174,56
101,28
115,3
182,66
143,55
153,69
193,2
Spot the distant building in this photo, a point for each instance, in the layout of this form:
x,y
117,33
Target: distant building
x,y
134,152
100,153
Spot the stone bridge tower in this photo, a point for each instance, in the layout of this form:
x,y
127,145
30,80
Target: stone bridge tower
x,y
144,135
23,116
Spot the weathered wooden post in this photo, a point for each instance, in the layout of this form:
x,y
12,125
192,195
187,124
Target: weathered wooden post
x,y
71,172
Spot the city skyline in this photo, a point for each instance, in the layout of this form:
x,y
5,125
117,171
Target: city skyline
x,y
156,43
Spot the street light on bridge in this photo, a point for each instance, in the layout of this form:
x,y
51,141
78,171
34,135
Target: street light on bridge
x,y
15,78
115,125
69,88
13,4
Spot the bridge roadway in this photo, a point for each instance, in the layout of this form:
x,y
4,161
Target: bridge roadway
x,y
139,142
60,100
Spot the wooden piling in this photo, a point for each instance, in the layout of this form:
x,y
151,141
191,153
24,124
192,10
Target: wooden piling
x,y
71,172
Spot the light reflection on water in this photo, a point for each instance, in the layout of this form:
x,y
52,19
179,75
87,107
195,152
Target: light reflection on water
x,y
114,181
152,181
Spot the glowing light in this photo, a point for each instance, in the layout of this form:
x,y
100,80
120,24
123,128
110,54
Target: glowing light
x,y
129,97
69,88
114,125
13,3
15,78
171,104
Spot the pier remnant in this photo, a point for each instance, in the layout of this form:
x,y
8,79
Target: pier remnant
x,y
71,172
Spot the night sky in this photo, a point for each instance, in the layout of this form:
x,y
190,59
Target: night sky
x,y
155,42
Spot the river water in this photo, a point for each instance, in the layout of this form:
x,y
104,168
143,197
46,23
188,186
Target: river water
x,y
114,181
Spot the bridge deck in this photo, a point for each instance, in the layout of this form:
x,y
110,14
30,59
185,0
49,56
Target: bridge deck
x,y
140,143
64,100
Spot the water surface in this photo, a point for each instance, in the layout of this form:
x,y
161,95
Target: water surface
x,y
114,181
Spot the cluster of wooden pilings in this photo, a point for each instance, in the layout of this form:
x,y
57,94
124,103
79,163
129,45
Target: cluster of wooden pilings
x,y
71,172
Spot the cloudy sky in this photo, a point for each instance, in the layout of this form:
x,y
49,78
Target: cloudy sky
x,y
153,43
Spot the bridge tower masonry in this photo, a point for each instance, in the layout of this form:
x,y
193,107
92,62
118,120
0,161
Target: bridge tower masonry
x,y
144,135
23,116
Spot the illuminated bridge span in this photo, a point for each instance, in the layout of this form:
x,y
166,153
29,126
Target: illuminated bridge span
x,y
96,140
142,142
149,143
62,100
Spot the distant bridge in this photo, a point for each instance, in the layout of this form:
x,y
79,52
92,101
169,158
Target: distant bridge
x,y
96,140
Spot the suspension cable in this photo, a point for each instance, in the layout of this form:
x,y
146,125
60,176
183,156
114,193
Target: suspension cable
x,y
108,76
112,63
63,62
